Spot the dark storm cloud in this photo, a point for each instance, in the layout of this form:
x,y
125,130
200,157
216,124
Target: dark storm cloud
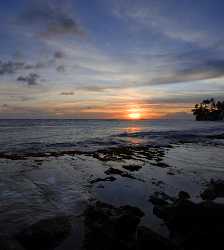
x,y
30,80
52,18
67,93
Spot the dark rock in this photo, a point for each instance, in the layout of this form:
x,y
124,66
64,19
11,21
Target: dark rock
x,y
214,190
161,164
134,211
161,198
183,195
8,243
128,153
217,136
110,178
147,239
115,171
157,201
45,234
109,228
157,182
191,222
170,173
132,167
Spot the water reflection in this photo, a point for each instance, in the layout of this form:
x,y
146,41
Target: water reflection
x,y
133,129
135,141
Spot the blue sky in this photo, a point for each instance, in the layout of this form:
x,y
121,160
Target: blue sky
x,y
109,58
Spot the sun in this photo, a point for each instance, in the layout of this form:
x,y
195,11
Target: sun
x,y
134,116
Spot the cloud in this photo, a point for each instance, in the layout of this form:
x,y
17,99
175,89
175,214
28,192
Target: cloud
x,y
17,111
180,100
175,20
67,93
192,72
5,105
52,18
31,79
10,67
59,55
61,68
179,115
95,88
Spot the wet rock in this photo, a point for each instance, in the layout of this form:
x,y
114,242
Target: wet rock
x,y
157,183
38,162
183,195
45,234
114,171
161,198
191,222
109,228
8,243
214,190
157,201
128,153
147,239
161,164
132,167
218,136
170,173
110,178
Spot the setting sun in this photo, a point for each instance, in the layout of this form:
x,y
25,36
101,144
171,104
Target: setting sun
x,y
134,116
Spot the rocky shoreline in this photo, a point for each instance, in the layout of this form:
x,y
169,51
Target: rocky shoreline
x,y
191,225
142,175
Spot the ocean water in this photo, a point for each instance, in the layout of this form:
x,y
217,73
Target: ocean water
x,y
19,135
44,184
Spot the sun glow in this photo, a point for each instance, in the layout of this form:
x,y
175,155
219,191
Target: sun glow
x,y
134,116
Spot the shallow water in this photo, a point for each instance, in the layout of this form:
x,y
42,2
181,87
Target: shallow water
x,y
39,187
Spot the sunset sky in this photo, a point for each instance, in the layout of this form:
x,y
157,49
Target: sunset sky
x,y
109,58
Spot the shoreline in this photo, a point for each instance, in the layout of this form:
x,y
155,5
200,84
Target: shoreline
x,y
48,185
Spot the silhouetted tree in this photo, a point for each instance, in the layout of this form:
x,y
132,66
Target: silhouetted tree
x,y
209,110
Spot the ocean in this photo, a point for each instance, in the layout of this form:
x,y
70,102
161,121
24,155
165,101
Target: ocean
x,y
54,167
35,134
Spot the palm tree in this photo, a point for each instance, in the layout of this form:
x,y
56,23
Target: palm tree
x,y
209,110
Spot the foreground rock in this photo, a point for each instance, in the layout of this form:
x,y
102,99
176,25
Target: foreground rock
x,y
214,190
115,171
132,168
110,178
129,153
192,225
7,243
147,239
109,228
45,234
